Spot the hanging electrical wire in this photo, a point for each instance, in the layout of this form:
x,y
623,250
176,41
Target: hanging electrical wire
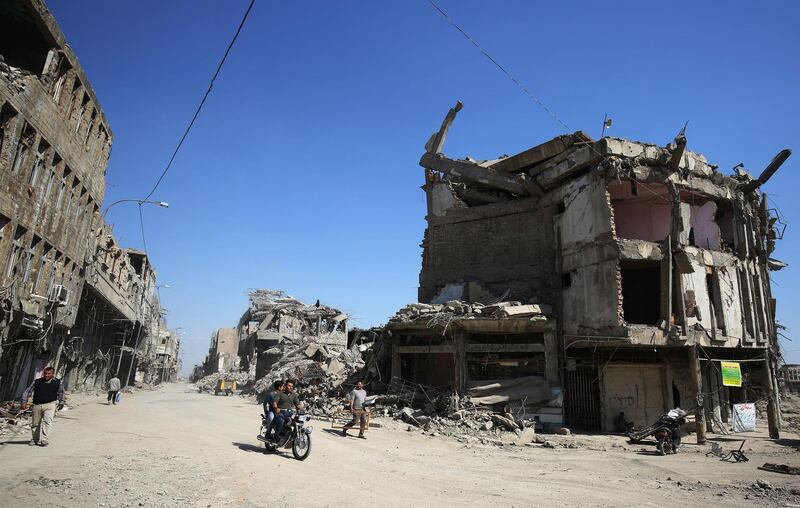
x,y
203,101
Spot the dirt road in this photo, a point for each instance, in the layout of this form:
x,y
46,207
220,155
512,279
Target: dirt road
x,y
175,447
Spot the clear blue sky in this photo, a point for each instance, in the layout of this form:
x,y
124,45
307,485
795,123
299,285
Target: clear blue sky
x,y
301,173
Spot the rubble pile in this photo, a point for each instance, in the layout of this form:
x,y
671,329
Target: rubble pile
x,y
790,411
269,306
321,385
456,309
14,75
12,420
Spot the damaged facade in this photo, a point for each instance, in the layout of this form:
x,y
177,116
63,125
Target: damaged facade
x,y
69,296
636,268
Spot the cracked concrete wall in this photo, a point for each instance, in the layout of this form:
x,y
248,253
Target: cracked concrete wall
x,y
589,265
506,247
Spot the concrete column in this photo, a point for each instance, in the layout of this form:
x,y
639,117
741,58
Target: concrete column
x,y
460,360
697,389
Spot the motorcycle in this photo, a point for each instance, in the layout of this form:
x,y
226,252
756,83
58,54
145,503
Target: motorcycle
x,y
666,431
295,435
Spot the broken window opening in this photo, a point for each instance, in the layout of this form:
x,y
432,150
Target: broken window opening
x,y
561,207
22,44
641,216
25,140
63,187
16,249
506,338
566,280
715,298
726,223
29,254
641,292
704,222
38,163
82,111
4,221
432,369
490,366
61,77
7,114
46,254
89,127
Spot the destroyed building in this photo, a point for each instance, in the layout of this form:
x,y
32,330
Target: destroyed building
x,y
582,279
281,337
69,296
223,353
276,323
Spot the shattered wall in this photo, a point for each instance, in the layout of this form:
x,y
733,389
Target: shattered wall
x,y
504,247
636,246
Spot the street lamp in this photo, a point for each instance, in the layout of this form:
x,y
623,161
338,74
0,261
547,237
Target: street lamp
x,y
164,286
140,202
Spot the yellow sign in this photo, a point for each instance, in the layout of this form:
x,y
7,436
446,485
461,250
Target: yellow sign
x,y
731,374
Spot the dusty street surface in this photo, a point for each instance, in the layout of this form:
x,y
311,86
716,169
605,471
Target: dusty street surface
x,y
175,447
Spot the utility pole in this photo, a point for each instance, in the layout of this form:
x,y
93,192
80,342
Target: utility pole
x,y
772,407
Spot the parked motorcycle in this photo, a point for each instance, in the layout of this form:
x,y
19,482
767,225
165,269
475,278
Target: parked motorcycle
x,y
295,435
666,431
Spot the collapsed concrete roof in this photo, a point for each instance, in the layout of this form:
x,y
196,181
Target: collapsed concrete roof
x,y
545,166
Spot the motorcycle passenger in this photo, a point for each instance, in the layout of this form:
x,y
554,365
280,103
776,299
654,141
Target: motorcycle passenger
x,y
269,412
284,401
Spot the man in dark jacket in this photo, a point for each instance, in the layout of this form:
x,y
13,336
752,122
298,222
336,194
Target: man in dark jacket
x,y
48,395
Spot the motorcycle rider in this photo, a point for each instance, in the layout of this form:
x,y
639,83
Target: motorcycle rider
x,y
283,402
269,412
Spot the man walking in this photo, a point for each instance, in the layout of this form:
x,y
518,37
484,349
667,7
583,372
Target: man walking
x,y
48,395
113,389
357,398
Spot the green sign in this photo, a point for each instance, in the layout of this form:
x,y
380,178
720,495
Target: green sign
x,y
731,374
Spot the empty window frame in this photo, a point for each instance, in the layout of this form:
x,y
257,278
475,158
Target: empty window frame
x,y
7,115
4,229
62,188
38,277
55,268
23,144
488,366
715,298
61,78
38,163
16,251
641,292
82,111
89,127
30,254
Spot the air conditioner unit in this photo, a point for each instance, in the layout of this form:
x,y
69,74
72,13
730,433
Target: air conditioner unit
x,y
59,294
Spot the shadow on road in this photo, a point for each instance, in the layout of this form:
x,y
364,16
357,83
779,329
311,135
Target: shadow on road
x,y
24,441
335,432
247,447
794,443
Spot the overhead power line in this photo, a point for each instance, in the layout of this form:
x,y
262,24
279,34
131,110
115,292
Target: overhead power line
x,y
202,102
498,65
